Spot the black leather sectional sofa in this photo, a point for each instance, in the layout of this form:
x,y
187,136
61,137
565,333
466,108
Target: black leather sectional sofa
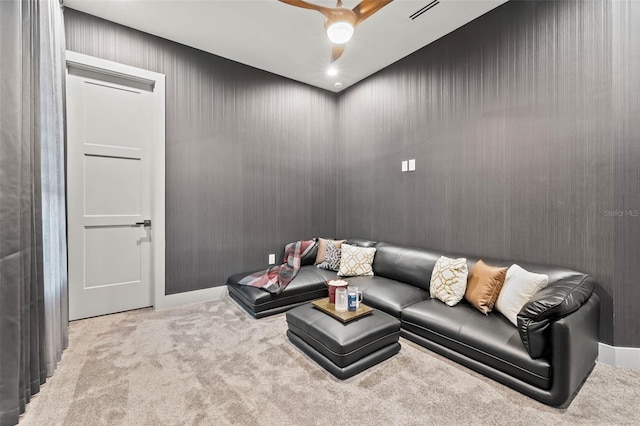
x,y
546,357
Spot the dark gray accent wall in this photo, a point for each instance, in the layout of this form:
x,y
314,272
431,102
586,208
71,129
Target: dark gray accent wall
x,y
625,127
525,126
249,155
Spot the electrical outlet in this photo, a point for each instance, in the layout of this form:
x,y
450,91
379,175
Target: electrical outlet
x,y
404,166
412,165
272,259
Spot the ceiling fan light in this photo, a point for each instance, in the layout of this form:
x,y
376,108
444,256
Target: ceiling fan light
x,y
340,32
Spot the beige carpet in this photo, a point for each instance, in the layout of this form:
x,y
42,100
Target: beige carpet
x,y
210,363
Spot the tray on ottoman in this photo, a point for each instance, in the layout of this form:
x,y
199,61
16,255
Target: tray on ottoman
x,y
344,316
343,349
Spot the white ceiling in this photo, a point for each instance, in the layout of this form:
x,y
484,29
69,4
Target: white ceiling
x,y
287,40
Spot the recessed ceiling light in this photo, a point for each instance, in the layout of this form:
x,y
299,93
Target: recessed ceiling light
x,y
337,85
332,71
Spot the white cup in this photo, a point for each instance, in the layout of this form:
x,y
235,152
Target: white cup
x,y
341,299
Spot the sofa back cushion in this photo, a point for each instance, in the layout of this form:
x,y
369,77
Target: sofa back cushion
x,y
361,243
310,257
408,265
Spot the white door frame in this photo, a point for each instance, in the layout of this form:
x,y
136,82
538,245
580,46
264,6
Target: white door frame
x,y
157,81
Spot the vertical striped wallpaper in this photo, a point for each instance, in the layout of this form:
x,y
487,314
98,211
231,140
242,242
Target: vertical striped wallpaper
x,y
524,126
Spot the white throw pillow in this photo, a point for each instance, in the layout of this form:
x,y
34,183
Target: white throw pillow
x,y
449,280
356,261
519,287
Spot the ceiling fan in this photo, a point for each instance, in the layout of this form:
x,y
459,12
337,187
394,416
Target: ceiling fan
x,y
339,21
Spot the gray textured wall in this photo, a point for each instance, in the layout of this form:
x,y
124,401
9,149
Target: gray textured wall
x,y
525,127
249,155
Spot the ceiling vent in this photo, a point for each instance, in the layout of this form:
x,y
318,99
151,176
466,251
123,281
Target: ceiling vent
x,y
415,15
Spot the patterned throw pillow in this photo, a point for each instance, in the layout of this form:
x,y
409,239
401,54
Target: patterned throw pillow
x,y
449,280
356,261
331,258
322,248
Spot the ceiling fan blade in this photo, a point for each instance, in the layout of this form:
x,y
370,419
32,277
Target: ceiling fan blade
x,y
326,11
337,51
367,8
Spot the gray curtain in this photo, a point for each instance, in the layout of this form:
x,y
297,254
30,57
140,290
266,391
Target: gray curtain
x,y
28,123
54,232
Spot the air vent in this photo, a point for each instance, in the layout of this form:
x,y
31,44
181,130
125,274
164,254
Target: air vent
x,y
415,15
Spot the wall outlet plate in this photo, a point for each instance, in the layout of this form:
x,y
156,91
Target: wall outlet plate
x,y
272,259
405,166
412,165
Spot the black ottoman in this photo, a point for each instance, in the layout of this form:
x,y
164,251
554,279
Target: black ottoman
x,y
344,350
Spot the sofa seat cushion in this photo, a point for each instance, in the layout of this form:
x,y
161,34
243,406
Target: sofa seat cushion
x,y
309,284
327,274
490,339
388,295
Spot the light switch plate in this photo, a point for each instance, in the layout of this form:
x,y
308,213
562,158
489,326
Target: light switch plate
x,y
404,166
272,259
412,165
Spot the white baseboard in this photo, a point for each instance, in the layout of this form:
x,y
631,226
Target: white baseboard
x,y
619,356
215,293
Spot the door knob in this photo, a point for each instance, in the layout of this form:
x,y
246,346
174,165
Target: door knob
x,y
145,223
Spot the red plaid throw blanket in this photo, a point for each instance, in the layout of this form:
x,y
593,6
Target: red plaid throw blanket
x,y
276,278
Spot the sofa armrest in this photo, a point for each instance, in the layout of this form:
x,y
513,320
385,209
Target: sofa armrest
x,y
574,349
553,302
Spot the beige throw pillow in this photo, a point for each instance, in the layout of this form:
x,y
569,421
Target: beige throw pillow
x,y
519,287
356,261
449,280
322,248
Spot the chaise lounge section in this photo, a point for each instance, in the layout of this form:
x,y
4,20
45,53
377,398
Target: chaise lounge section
x,y
309,284
547,356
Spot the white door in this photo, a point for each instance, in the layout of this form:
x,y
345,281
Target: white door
x,y
109,141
